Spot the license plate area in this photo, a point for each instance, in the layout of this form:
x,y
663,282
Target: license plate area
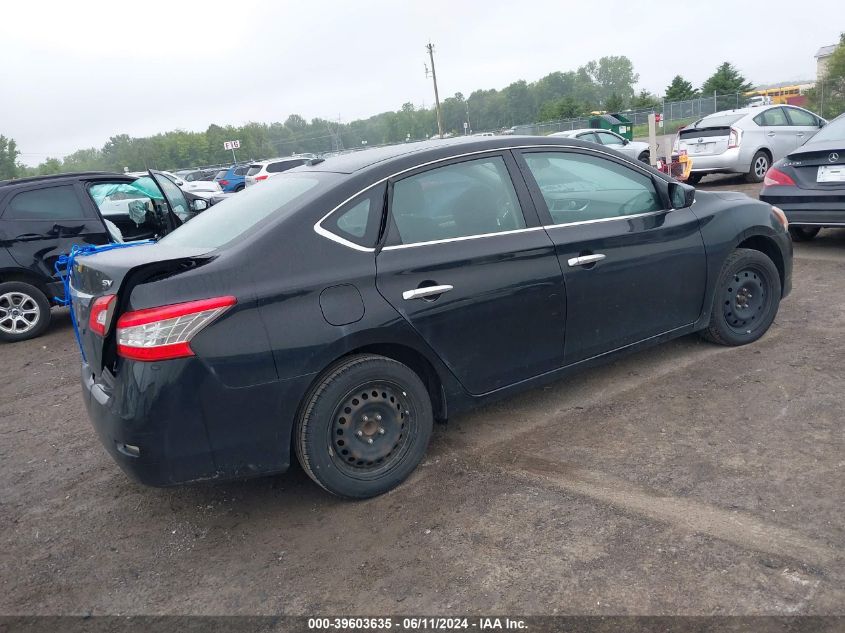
x,y
831,173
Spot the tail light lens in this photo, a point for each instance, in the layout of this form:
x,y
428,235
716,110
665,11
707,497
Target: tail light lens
x,y
264,177
165,333
734,137
776,177
223,183
677,144
101,312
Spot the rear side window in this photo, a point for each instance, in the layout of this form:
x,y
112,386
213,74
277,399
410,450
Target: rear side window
x,y
51,203
254,169
241,171
275,168
359,220
221,174
460,200
609,139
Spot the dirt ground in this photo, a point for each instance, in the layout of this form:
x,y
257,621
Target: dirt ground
x,y
687,479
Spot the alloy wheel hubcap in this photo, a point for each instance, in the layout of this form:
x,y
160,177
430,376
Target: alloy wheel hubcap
x,y
371,428
761,166
19,313
745,300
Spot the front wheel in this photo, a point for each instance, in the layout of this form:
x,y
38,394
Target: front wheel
x,y
803,233
364,427
747,299
644,157
694,179
759,166
24,311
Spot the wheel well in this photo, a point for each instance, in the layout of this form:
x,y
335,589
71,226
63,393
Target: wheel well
x,y
767,152
419,364
769,248
25,277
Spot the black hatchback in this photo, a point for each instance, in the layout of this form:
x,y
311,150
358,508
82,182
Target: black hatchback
x,y
41,218
341,308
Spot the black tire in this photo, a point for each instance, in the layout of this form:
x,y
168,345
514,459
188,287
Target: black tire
x,y
239,188
644,157
759,166
746,301
364,426
24,311
803,233
694,179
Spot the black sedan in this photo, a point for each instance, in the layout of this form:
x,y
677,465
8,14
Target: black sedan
x,y
341,308
809,183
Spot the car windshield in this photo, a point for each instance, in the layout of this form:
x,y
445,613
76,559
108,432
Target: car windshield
x,y
234,216
719,120
833,131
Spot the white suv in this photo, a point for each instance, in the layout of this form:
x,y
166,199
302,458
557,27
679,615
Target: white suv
x,y
262,170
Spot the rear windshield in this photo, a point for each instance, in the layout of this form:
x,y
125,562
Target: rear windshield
x,y
227,220
254,169
719,120
221,174
833,131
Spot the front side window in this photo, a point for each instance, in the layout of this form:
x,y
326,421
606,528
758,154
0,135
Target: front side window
x,y
775,116
588,136
606,138
801,117
579,187
464,199
51,203
132,211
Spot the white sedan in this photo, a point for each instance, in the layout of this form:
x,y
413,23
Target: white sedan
x,y
637,150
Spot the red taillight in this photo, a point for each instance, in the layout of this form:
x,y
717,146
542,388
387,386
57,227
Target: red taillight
x,y
734,137
100,315
165,333
223,183
776,177
264,177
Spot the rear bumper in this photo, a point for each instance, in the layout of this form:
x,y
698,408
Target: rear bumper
x,y
808,208
174,422
729,161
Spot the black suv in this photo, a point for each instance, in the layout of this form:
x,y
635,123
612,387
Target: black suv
x,y
42,217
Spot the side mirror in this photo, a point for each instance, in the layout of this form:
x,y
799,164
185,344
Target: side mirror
x,y
681,195
625,141
199,205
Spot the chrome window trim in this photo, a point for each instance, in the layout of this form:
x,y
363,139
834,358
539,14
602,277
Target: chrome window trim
x,y
463,238
610,219
320,230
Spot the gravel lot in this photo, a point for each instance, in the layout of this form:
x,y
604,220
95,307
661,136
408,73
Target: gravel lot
x,y
687,479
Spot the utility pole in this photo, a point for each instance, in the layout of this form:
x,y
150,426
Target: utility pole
x,y
469,125
430,48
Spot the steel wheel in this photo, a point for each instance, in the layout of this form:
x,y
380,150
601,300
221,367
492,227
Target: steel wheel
x,y
370,429
745,299
19,313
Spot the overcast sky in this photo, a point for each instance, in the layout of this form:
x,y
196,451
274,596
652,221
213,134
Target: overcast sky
x,y
75,73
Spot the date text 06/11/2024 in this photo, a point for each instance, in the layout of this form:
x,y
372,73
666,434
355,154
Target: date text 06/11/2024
x,y
416,623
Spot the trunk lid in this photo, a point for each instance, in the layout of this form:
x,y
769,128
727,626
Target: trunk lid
x,y
116,272
817,165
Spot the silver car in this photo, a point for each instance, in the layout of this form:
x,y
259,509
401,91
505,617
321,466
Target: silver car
x,y
633,149
745,141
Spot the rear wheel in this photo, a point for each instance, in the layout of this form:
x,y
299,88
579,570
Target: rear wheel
x,y
239,188
364,427
694,179
759,166
24,311
803,233
747,299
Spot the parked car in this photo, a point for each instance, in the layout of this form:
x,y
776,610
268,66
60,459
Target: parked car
x,y
633,149
232,178
745,141
319,315
264,169
809,183
42,217
195,186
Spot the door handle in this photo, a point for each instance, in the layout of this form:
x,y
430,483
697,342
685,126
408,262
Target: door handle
x,y
585,260
800,134
770,133
424,292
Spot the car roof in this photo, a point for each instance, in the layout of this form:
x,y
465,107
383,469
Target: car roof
x,y
581,130
59,177
437,149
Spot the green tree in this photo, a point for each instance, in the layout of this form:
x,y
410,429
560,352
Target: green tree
x,y
680,90
563,108
614,103
645,100
8,158
727,80
613,75
827,97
